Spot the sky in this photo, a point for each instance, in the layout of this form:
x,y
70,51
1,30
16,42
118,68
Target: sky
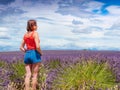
x,y
62,24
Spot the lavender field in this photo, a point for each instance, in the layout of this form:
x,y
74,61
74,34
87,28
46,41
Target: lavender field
x,y
54,67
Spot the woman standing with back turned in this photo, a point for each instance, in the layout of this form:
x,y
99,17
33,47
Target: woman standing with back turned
x,y
32,57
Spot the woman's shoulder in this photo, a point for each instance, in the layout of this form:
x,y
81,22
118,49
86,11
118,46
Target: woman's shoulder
x,y
27,34
35,33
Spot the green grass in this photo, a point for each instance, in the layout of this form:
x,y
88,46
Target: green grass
x,y
2,64
43,72
85,75
19,70
19,73
17,78
53,64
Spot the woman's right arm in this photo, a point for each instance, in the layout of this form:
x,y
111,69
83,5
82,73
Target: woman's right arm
x,y
37,43
22,46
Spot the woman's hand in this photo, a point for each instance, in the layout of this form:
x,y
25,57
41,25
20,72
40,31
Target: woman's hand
x,y
41,53
37,42
22,49
22,46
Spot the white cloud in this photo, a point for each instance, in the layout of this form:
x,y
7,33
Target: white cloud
x,y
2,8
3,43
3,29
57,32
4,33
114,10
116,25
113,33
96,34
93,5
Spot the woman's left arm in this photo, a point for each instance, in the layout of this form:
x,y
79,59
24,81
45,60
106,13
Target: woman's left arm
x,y
22,46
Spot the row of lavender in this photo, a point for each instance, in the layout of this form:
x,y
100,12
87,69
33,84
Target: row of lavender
x,y
113,57
67,57
71,56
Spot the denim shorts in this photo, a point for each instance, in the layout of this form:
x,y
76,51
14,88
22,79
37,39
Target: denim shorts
x,y
31,57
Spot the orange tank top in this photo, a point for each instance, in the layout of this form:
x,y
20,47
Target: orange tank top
x,y
30,42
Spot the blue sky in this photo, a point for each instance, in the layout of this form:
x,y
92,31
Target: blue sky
x,y
62,24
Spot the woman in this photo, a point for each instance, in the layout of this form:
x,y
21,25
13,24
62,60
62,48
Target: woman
x,y
32,58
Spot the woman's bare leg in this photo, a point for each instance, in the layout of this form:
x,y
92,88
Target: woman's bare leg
x,y
35,69
28,68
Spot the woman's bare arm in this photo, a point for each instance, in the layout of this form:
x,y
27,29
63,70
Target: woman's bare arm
x,y
22,46
37,43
